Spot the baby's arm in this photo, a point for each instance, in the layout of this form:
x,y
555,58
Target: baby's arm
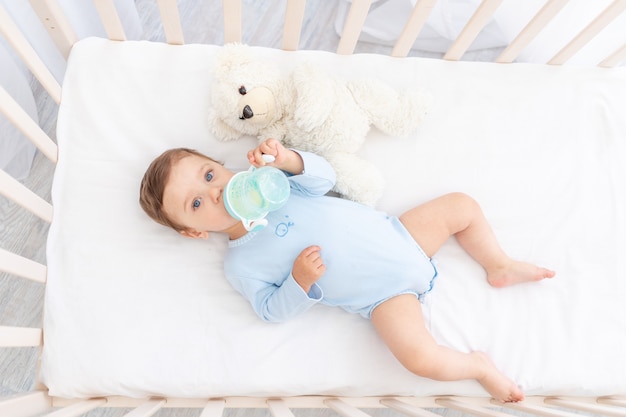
x,y
284,159
310,174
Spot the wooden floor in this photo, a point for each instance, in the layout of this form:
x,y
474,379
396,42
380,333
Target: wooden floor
x,y
21,301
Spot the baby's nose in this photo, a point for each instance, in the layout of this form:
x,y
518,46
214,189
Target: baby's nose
x,y
215,194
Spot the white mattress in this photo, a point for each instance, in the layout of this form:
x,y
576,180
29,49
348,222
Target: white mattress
x,y
134,309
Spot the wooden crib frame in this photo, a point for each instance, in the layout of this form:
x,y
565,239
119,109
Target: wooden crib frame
x,y
37,401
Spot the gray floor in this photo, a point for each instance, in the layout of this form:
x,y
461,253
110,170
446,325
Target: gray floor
x,y
20,300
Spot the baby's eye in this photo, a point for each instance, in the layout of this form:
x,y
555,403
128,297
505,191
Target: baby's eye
x,y
208,176
242,90
196,203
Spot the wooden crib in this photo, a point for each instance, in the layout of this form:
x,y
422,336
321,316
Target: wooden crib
x,y
37,402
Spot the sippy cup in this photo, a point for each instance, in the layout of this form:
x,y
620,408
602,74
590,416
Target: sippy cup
x,y
250,195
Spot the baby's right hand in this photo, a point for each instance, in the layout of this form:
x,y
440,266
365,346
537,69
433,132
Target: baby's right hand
x,y
269,147
282,158
308,267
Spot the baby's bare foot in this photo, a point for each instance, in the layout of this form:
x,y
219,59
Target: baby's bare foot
x,y
497,384
516,272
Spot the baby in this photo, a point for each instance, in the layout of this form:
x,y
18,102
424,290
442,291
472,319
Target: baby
x,y
321,249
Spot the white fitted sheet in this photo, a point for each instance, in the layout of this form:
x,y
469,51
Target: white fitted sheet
x,y
134,309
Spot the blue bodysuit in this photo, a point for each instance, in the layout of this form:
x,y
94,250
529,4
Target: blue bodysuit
x,y
369,255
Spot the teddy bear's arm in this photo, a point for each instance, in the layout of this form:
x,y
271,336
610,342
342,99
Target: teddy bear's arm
x,y
276,131
315,96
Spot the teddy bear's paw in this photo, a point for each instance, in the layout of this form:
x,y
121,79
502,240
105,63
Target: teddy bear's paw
x,y
420,103
357,179
410,110
392,112
368,197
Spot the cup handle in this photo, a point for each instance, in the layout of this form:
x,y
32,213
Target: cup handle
x,y
254,225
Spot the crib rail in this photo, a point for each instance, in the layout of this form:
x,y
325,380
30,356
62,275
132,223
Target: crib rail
x,y
56,24
23,48
113,28
358,13
59,29
589,32
37,402
532,29
475,24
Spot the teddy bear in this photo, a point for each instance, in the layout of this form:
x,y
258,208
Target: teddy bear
x,y
309,109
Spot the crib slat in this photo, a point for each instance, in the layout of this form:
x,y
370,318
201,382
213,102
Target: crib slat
x,y
213,408
466,407
407,409
616,401
147,409
279,409
536,409
531,30
25,405
23,122
615,58
344,409
57,25
19,193
586,407
23,267
413,26
232,20
353,26
78,408
14,36
171,22
473,27
19,336
589,32
110,19
293,24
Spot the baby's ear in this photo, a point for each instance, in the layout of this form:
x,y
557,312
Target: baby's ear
x,y
194,234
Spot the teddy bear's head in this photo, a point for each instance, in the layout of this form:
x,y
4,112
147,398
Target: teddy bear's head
x,y
245,93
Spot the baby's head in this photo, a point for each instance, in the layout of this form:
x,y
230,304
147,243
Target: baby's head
x,y
155,180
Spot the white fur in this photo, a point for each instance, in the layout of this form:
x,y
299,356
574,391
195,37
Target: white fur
x,y
312,110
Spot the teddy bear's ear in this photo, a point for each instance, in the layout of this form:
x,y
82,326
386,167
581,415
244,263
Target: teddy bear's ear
x,y
221,130
231,56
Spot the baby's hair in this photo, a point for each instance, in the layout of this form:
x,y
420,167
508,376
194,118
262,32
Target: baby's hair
x,y
154,181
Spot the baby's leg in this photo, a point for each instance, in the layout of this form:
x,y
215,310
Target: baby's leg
x,y
457,214
400,323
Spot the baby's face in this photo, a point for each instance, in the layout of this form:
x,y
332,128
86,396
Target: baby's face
x,y
193,195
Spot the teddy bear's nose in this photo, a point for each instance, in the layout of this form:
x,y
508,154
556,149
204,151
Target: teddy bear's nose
x,y
247,113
